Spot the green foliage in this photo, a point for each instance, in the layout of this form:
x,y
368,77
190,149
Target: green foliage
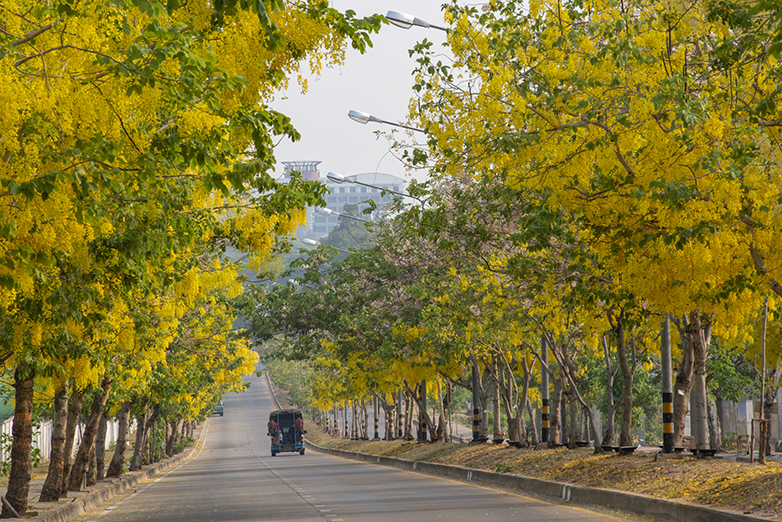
x,y
183,443
292,376
731,373
6,440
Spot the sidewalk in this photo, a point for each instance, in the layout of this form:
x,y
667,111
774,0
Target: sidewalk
x,y
78,503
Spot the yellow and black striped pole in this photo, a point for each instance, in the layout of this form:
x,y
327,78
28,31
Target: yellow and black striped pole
x,y
545,427
476,410
422,435
667,422
667,378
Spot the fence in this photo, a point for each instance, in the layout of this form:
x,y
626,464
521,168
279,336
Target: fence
x,y
42,437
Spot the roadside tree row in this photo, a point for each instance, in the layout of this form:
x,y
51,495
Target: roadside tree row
x,y
596,167
136,153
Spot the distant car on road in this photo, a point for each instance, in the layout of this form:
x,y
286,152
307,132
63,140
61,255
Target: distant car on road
x,y
218,409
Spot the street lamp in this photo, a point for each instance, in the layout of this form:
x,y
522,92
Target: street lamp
x,y
339,178
313,243
364,118
328,212
406,21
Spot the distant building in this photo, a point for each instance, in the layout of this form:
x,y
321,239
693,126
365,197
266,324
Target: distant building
x,y
341,194
308,169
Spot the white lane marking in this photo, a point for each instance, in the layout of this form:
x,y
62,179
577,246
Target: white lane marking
x,y
285,480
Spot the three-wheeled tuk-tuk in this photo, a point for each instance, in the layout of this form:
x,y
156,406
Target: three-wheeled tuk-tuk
x,y
286,429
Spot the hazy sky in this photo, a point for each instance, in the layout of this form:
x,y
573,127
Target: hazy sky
x,y
378,82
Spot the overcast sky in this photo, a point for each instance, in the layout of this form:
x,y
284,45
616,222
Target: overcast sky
x,y
378,82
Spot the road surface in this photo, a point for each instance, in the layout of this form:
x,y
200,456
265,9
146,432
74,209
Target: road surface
x,y
235,478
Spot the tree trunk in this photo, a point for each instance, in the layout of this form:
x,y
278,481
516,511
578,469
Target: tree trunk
x,y
74,416
682,386
100,446
422,413
608,434
408,415
768,404
569,370
573,424
52,485
138,448
497,424
533,426
524,401
701,336
625,432
92,471
554,425
82,458
718,402
713,435
118,459
479,400
512,406
153,443
148,430
172,437
389,409
443,402
21,446
365,420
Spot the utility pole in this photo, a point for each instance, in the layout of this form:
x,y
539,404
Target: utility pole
x,y
476,409
667,392
422,414
762,423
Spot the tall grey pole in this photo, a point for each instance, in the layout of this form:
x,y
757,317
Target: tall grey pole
x,y
422,434
762,423
667,392
476,408
544,430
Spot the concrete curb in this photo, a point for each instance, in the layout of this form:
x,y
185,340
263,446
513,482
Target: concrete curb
x,y
81,505
634,503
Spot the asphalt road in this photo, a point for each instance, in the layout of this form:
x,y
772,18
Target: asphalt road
x,y
235,478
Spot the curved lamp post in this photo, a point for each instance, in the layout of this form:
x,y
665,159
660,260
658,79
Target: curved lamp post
x,y
364,118
406,21
328,212
313,243
339,178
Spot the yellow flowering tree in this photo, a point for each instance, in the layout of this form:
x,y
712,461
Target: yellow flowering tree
x,y
619,118
136,147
